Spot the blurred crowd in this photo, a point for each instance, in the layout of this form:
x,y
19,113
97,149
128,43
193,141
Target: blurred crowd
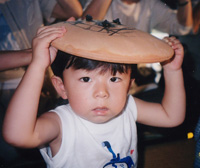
x,y
20,19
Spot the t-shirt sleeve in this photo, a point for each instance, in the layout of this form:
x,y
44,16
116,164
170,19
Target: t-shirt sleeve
x,y
131,107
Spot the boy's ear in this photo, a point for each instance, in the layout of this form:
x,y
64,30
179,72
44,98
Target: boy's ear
x,y
131,84
59,86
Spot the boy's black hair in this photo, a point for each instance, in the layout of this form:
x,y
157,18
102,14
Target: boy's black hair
x,y
64,61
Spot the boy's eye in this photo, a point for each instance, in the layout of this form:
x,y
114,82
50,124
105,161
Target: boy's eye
x,y
114,79
85,79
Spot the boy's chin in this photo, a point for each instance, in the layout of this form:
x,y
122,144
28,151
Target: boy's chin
x,y
98,120
101,120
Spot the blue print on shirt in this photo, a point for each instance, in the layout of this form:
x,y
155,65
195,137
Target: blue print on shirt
x,y
116,162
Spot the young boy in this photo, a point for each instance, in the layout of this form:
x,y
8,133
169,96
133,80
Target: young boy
x,y
98,126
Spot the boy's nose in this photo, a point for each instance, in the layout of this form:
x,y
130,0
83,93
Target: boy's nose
x,y
101,91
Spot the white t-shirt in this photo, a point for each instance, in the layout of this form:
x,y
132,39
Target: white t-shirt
x,y
82,140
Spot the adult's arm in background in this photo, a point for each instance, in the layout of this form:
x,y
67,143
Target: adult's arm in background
x,y
97,9
196,18
65,9
15,59
184,13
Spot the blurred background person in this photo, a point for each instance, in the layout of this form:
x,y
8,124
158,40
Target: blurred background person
x,y
144,15
19,21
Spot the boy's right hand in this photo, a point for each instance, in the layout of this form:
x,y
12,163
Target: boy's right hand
x,y
43,53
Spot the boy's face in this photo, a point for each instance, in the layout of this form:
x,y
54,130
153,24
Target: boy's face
x,y
94,96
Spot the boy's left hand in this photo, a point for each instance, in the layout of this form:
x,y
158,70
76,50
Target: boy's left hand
x,y
176,62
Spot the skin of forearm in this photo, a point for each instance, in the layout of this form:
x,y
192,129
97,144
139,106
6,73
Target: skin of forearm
x,y
15,59
174,100
196,18
20,119
184,14
97,9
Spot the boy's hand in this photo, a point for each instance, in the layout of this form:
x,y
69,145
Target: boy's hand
x,y
176,62
43,53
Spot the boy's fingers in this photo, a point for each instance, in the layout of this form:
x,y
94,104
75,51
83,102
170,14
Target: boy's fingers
x,y
48,38
71,19
176,41
169,38
166,39
172,38
50,29
172,41
41,29
51,33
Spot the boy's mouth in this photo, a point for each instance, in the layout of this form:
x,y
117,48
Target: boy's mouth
x,y
100,110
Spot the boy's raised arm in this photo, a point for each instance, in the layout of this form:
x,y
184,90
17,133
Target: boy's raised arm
x,y
21,126
171,111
